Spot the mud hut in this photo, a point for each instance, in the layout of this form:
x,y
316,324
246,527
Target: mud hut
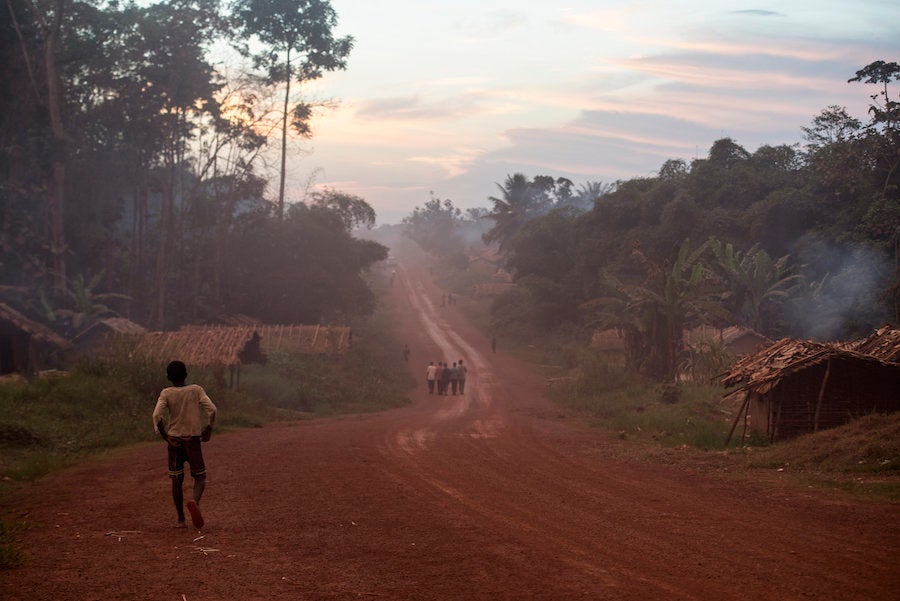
x,y
26,346
795,387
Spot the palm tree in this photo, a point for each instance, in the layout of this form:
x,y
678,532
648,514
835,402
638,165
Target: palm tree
x,y
757,284
653,315
520,201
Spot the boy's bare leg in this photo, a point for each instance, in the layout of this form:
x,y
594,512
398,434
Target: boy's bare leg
x,y
199,487
193,506
178,499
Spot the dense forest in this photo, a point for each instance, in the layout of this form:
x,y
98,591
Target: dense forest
x,y
792,240
135,174
137,178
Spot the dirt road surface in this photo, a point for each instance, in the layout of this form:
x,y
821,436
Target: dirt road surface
x,y
490,495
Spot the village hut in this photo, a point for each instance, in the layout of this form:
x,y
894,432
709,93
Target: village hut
x,y
737,341
229,347
27,346
490,289
795,387
884,344
611,345
94,339
487,260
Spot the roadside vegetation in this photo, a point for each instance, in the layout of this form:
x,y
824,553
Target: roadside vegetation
x,y
51,422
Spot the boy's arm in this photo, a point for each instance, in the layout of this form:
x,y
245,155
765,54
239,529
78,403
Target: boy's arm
x,y
158,412
211,413
209,407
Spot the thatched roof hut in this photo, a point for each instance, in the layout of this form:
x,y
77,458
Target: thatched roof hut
x,y
738,341
229,346
491,289
26,346
93,339
884,344
798,386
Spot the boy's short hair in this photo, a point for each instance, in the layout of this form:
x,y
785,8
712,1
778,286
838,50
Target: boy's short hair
x,y
176,371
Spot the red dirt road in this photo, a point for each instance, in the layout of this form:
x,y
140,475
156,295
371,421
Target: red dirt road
x,y
484,496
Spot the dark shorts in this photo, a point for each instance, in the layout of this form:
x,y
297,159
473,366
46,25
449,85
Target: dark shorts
x,y
190,451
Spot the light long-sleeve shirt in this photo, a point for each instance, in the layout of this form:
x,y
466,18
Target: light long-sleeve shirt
x,y
183,404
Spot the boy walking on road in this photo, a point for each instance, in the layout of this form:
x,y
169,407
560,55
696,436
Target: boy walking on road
x,y
184,433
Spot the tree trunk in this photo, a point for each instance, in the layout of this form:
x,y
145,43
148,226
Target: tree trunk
x,y
284,128
56,185
166,233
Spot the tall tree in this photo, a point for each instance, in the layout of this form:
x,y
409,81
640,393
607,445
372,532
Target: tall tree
x,y
44,73
298,45
354,210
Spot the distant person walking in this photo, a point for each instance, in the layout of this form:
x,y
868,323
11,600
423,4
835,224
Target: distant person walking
x,y
445,378
493,344
429,376
439,377
454,379
406,353
461,371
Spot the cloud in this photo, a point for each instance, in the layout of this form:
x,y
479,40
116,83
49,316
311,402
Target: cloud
x,y
490,24
757,12
416,107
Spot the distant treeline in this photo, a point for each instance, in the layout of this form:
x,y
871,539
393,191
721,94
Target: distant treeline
x,y
791,240
132,173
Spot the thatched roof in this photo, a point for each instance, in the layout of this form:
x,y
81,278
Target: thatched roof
x,y
37,331
113,325
238,319
203,346
303,339
884,344
765,369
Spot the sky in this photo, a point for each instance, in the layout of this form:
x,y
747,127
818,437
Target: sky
x,y
451,97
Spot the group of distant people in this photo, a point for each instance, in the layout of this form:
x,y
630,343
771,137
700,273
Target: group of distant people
x,y
448,299
446,379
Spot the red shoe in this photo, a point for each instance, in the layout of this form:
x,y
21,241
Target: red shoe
x,y
196,516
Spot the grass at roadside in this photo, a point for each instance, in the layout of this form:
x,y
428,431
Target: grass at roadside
x,y
639,409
